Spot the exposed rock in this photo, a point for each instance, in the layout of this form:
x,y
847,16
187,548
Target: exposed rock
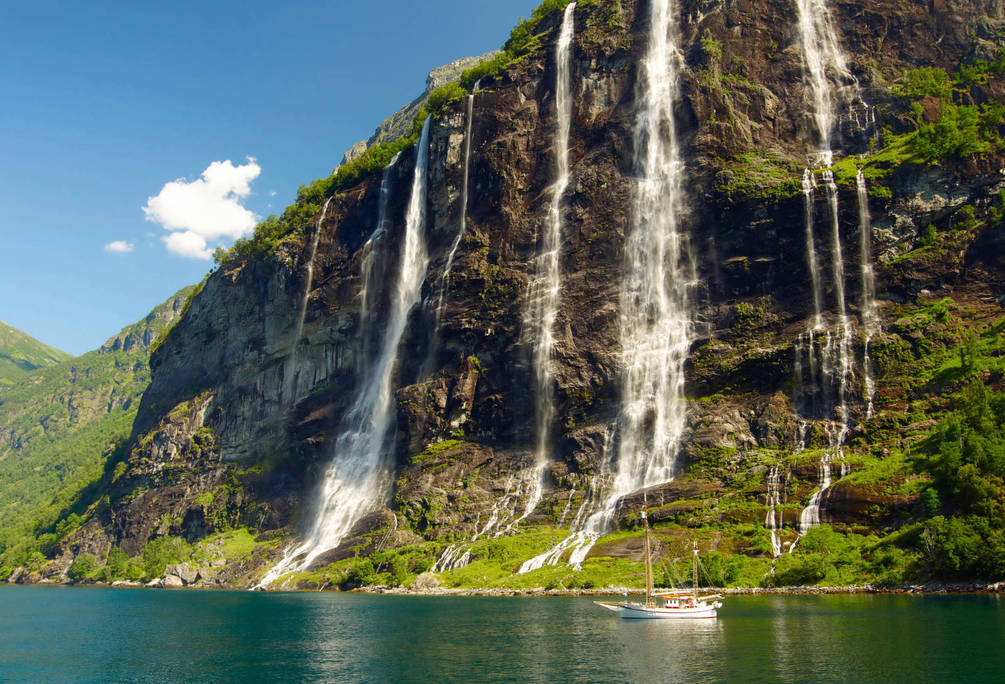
x,y
172,582
182,571
240,420
425,582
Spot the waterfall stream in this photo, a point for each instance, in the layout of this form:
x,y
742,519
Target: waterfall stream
x,y
358,477
290,370
543,295
870,316
462,227
826,73
655,323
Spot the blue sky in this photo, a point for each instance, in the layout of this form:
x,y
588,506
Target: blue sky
x,y
104,103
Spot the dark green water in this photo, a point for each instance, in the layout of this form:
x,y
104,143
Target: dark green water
x,y
65,634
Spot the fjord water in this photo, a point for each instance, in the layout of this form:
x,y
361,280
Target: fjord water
x,y
97,634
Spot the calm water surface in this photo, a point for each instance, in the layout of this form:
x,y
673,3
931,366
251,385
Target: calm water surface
x,y
64,634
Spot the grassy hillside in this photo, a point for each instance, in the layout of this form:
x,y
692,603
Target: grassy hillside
x,y
59,426
20,354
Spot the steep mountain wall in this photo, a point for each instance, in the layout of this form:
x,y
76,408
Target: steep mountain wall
x,y
240,418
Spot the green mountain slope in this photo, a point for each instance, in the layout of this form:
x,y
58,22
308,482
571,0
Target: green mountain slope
x,y
59,424
20,354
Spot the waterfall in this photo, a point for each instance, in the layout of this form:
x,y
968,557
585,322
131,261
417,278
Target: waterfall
x,y
359,475
809,183
773,519
290,371
371,271
824,65
539,317
462,228
543,295
870,316
821,53
655,322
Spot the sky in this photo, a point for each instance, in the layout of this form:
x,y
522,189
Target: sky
x,y
136,136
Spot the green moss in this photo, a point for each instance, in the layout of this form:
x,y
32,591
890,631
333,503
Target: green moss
x,y
435,449
756,177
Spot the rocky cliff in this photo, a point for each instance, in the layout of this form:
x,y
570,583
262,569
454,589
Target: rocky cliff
x,y
248,395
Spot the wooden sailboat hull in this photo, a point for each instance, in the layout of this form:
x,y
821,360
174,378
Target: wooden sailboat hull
x,y
638,611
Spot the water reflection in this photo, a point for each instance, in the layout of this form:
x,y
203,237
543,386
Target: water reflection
x,y
53,634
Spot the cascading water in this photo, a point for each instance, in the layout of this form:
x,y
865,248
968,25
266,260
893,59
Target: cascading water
x,y
824,65
358,477
870,316
773,520
539,318
462,228
809,183
290,371
656,325
822,58
371,270
543,297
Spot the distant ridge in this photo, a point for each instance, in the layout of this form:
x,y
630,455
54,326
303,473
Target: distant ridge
x,y
20,354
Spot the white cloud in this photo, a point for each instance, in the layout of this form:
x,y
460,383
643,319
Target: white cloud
x,y
119,247
206,209
188,244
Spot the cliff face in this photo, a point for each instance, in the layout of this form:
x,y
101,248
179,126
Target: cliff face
x,y
242,411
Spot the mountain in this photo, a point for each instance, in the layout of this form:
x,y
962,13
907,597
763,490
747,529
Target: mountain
x,y
59,425
742,269
20,354
399,124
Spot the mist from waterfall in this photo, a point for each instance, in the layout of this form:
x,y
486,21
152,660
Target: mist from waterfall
x,y
359,475
655,322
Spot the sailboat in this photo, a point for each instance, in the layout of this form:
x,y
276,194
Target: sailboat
x,y
670,605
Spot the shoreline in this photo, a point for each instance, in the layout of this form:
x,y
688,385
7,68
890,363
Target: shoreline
x,y
932,588
921,589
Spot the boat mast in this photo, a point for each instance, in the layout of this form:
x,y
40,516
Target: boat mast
x,y
694,583
649,567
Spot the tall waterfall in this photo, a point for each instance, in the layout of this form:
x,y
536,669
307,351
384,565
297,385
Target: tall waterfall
x,y
656,326
462,227
290,370
543,297
371,270
822,61
826,72
359,475
870,317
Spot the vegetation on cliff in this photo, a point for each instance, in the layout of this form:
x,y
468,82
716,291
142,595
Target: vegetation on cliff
x,y
20,354
62,427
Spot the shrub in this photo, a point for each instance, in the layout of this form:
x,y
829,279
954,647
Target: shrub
x,y
82,566
160,552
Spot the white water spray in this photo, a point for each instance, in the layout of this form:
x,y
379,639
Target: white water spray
x,y
656,326
462,228
358,477
543,297
773,519
826,70
823,62
870,316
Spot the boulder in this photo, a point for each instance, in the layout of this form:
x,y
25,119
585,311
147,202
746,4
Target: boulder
x,y
426,581
172,581
183,571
